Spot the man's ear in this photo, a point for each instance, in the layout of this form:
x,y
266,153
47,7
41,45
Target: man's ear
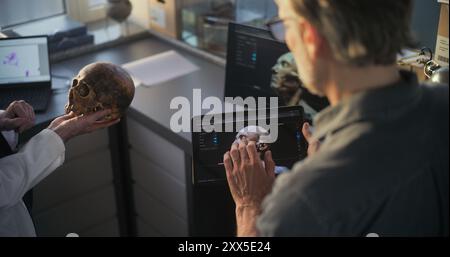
x,y
314,42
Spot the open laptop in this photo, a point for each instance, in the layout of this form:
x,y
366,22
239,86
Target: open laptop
x,y
25,71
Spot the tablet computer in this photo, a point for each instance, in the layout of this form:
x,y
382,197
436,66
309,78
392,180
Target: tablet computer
x,y
209,146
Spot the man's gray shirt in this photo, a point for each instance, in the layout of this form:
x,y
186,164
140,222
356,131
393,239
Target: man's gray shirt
x,y
382,168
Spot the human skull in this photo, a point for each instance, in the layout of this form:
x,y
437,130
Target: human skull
x,y
100,86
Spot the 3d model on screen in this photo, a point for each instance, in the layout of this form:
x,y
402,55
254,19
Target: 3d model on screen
x,y
101,86
260,136
285,79
288,86
257,134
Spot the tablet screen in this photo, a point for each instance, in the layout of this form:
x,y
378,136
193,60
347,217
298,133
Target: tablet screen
x,y
289,147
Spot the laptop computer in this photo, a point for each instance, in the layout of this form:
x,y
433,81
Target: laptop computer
x,y
25,71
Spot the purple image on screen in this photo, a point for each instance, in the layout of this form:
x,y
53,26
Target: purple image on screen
x,y
27,73
11,59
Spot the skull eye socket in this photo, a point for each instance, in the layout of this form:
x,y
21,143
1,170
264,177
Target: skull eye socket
x,y
74,82
83,90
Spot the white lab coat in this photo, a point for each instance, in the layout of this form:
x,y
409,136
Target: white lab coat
x,y
22,171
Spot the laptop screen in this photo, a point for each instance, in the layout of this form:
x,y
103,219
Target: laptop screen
x,y
24,60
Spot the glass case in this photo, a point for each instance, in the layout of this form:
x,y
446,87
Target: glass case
x,y
204,23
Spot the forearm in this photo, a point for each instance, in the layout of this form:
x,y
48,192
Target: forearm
x,y
21,171
246,220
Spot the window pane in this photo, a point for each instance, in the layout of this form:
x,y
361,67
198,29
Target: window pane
x,y
13,12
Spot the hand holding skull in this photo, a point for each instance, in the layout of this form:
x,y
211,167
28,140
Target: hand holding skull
x,y
99,97
70,125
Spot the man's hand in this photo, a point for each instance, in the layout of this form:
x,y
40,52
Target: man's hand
x,y
19,116
250,179
313,145
70,125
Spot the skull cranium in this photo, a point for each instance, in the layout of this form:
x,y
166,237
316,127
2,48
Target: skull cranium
x,y
100,86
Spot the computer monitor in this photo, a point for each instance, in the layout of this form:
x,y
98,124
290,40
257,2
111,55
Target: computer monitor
x,y
24,61
259,66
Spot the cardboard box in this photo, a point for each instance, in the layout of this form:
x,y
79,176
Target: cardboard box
x,y
442,47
